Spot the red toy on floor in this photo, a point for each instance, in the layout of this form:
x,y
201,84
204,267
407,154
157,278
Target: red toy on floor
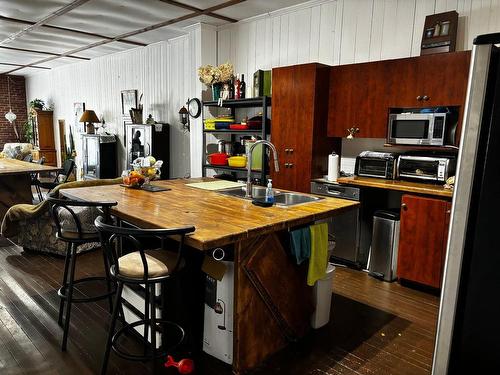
x,y
184,366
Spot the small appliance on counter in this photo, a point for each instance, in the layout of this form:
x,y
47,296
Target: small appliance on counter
x,y
426,168
376,164
422,126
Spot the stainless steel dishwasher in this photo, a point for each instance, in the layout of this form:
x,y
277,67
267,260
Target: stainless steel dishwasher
x,y
352,243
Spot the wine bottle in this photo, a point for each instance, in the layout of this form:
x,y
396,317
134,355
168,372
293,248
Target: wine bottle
x,y
243,87
237,87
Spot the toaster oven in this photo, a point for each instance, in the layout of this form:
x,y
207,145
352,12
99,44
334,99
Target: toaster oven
x,y
426,168
376,164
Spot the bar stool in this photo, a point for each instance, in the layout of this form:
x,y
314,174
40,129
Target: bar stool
x,y
67,216
146,267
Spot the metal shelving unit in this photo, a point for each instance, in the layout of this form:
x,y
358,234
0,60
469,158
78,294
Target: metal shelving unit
x,y
262,102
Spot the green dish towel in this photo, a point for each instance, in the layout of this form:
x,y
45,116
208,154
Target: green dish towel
x,y
300,241
319,253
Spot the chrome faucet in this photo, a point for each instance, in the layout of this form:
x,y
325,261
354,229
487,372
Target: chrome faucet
x,y
248,193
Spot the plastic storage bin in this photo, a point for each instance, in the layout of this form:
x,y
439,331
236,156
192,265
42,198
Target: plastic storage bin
x,y
322,299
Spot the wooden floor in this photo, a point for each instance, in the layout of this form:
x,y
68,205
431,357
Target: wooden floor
x,y
376,327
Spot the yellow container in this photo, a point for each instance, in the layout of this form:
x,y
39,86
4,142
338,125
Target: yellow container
x,y
237,161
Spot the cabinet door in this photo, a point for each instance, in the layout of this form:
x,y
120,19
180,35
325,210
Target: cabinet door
x,y
91,155
422,239
358,98
341,107
45,130
445,78
291,129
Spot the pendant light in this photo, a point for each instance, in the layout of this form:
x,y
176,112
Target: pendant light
x,y
10,116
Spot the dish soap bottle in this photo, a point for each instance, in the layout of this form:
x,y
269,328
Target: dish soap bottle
x,y
269,192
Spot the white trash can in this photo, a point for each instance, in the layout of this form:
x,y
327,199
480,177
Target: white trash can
x,y
322,299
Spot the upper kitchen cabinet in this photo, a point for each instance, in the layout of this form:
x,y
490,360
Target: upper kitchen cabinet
x,y
298,130
358,99
361,95
429,81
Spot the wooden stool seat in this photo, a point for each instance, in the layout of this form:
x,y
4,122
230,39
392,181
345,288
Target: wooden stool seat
x,y
160,262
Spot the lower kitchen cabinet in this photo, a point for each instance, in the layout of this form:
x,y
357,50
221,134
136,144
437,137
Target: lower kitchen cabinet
x,y
423,239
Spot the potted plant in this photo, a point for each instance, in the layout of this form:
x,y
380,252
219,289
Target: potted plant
x,y
215,77
37,104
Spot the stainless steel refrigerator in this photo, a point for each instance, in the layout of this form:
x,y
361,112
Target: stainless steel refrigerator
x,y
468,334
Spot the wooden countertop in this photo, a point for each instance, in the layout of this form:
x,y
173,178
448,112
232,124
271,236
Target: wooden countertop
x,y
13,166
407,186
219,219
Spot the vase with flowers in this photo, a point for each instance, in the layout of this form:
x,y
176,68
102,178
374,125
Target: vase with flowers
x,y
216,77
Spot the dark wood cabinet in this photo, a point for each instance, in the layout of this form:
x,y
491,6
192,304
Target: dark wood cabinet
x,y
99,157
422,240
298,130
362,94
358,99
429,81
44,130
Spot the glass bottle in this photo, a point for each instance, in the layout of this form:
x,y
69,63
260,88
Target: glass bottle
x,y
243,87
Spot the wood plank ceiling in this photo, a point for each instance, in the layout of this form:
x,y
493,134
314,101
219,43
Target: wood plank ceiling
x,y
43,34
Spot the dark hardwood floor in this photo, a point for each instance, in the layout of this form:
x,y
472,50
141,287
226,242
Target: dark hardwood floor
x,y
376,327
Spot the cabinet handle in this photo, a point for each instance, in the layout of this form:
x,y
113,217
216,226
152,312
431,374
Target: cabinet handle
x,y
404,207
286,165
287,150
419,98
425,97
291,150
291,165
448,211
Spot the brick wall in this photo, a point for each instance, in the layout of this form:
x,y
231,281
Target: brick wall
x,y
18,105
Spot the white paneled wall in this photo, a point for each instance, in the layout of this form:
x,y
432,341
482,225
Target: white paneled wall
x,y
98,84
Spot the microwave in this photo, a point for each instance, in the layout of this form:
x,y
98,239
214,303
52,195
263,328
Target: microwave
x,y
376,164
423,129
426,168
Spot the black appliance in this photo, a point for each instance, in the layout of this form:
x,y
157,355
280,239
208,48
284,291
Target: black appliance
x,y
149,140
376,164
99,156
468,326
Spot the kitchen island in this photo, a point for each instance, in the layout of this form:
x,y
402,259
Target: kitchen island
x,y
271,298
15,182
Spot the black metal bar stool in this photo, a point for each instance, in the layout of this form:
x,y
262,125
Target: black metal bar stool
x,y
71,230
146,267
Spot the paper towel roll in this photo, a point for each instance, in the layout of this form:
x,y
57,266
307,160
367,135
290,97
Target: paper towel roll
x,y
333,167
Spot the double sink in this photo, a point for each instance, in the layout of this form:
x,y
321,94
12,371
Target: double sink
x,y
281,198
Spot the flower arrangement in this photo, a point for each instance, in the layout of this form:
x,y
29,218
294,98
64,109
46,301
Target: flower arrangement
x,y
210,75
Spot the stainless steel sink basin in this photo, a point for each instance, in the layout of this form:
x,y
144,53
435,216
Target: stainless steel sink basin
x,y
257,192
290,199
281,198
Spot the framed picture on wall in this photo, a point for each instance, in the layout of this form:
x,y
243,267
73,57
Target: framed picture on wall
x,y
129,100
78,109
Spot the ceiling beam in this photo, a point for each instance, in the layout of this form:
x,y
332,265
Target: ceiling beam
x,y
31,66
200,11
43,52
65,9
100,36
131,33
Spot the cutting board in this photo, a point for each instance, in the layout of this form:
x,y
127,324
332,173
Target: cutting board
x,y
215,185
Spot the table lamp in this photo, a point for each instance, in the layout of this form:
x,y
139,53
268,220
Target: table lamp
x,y
89,118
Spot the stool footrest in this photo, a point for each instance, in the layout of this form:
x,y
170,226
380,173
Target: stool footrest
x,y
133,357
61,292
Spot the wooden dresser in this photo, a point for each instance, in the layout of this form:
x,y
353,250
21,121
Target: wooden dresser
x,y
45,136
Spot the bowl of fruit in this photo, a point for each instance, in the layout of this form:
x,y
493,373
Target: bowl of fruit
x,y
144,170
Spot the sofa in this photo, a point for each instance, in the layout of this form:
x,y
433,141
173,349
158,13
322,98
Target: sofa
x,y
32,227
16,150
